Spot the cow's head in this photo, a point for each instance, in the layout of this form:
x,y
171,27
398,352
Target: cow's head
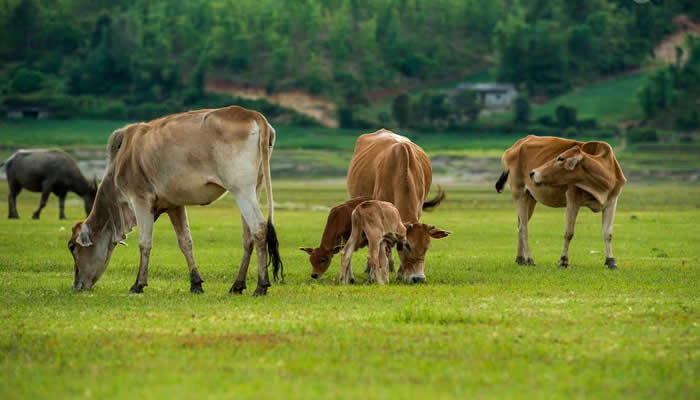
x,y
574,165
91,252
320,259
412,251
564,169
89,196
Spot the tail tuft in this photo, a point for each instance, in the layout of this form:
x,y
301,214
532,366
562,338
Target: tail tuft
x,y
273,251
502,181
434,202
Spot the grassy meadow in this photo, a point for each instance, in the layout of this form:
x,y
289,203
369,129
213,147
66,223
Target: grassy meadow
x,y
481,327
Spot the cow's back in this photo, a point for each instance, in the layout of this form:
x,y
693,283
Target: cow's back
x,y
389,167
31,168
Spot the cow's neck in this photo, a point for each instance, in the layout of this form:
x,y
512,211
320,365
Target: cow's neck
x,y
598,180
81,186
109,213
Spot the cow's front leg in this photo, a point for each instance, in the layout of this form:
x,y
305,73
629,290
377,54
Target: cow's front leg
x,y
61,206
388,248
608,218
571,214
346,263
144,220
525,204
381,269
178,217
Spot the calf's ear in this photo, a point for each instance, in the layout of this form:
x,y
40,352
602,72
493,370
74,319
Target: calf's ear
x,y
336,249
83,238
437,233
308,250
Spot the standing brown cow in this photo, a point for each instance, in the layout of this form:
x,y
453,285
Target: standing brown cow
x,y
562,173
389,167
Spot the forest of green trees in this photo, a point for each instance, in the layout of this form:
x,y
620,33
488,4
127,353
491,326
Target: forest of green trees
x,y
138,58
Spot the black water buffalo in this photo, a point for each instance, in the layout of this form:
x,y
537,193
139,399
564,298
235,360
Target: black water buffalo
x,y
46,171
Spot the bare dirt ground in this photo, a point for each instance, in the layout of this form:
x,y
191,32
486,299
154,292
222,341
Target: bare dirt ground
x,y
666,50
316,107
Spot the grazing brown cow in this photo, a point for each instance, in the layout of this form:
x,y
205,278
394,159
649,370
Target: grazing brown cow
x,y
562,173
192,158
389,167
336,232
376,224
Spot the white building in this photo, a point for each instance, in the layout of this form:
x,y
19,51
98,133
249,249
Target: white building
x,y
492,95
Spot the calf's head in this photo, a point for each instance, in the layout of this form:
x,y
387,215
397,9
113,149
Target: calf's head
x,y
91,252
412,251
320,259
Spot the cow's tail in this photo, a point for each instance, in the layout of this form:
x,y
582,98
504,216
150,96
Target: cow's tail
x,y
435,201
502,181
267,141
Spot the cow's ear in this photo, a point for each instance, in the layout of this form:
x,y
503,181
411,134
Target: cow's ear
x,y
83,238
337,248
437,233
308,250
572,162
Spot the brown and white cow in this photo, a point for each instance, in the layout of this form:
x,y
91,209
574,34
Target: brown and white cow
x,y
376,224
389,167
162,166
336,232
562,173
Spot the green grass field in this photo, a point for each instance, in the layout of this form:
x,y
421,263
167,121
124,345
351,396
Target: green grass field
x,y
481,327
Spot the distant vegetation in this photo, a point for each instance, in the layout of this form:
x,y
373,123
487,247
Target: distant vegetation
x,y
138,59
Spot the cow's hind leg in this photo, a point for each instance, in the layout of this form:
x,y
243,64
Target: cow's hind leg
x,y
178,217
15,188
608,218
45,192
525,204
239,285
247,201
144,220
571,214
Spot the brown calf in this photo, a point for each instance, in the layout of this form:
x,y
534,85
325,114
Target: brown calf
x,y
377,224
336,232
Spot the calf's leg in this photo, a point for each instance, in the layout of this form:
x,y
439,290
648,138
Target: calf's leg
x,y
178,217
608,218
144,220
349,248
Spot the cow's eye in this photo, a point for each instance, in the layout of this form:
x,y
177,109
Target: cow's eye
x,y
560,159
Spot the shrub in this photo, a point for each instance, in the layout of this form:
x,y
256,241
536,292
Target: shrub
x,y
546,120
521,110
566,116
27,81
401,109
570,132
642,135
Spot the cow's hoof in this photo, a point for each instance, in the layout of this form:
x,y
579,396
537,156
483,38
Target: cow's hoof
x,y
35,216
610,263
13,217
237,288
564,262
520,260
260,291
418,279
62,217
196,288
137,289
352,281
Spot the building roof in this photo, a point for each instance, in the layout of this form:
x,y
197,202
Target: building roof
x,y
487,87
